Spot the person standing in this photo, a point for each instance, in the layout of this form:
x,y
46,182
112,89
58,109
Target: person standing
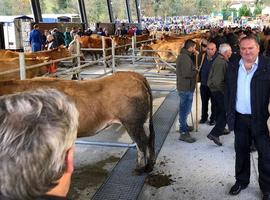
x,y
35,39
216,82
67,37
247,91
211,54
58,37
185,75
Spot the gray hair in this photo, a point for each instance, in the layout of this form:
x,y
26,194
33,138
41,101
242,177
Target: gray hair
x,y
224,47
36,130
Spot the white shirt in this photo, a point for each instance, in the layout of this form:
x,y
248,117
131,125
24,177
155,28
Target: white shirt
x,y
243,101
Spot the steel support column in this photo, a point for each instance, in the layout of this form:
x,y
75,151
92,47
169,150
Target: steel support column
x,y
138,10
128,11
109,4
82,13
36,10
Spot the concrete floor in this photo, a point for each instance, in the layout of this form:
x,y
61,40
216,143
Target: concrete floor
x,y
201,170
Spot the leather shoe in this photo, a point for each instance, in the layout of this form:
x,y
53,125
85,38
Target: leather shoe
x,y
236,188
190,128
212,123
266,197
226,132
215,139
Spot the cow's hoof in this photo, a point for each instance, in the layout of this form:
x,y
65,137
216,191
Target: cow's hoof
x,y
138,171
149,167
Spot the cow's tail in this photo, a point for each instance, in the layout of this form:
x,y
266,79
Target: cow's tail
x,y
151,126
151,141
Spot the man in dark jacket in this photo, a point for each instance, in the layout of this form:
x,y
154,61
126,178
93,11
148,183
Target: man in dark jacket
x,y
58,37
185,73
216,83
211,54
247,92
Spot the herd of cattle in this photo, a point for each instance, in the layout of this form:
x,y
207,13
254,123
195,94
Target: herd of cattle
x,y
166,48
124,97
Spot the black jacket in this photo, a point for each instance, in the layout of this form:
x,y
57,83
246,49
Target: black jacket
x,y
260,93
185,71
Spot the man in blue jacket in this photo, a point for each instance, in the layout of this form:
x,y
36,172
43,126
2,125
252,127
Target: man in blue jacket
x,y
35,39
247,92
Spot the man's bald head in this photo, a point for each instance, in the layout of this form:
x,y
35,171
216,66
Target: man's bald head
x,y
211,49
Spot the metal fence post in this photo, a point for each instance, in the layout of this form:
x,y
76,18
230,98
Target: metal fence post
x,y
113,55
78,56
133,50
22,66
104,53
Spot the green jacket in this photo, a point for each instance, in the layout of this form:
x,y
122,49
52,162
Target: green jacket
x,y
216,78
185,71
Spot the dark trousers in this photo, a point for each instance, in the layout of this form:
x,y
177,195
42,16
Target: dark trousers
x,y
243,138
205,96
218,129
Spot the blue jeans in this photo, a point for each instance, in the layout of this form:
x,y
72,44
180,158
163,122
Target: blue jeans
x,y
185,104
36,47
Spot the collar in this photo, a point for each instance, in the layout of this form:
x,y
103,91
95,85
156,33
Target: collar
x,y
254,66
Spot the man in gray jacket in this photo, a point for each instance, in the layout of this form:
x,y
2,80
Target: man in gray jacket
x,y
185,73
216,85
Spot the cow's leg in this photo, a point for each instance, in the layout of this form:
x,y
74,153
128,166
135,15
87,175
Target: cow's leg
x,y
146,154
157,65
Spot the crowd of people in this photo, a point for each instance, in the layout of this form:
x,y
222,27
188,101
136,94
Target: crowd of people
x,y
235,76
54,38
179,24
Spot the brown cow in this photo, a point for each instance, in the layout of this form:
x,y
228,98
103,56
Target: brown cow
x,y
9,60
9,64
124,97
52,54
95,41
168,48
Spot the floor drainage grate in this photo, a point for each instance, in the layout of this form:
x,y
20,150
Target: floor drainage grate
x,y
122,184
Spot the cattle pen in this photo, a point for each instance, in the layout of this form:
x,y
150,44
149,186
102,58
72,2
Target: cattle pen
x,y
182,171
104,163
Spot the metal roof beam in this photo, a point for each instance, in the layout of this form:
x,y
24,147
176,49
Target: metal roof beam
x,y
83,13
128,11
109,4
35,5
138,11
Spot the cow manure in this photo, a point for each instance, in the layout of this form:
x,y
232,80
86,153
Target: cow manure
x,y
162,163
90,175
159,180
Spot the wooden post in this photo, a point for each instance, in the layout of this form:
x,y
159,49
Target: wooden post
x,y
197,90
22,66
196,94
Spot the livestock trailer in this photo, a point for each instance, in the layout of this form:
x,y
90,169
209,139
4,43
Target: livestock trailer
x,y
16,32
